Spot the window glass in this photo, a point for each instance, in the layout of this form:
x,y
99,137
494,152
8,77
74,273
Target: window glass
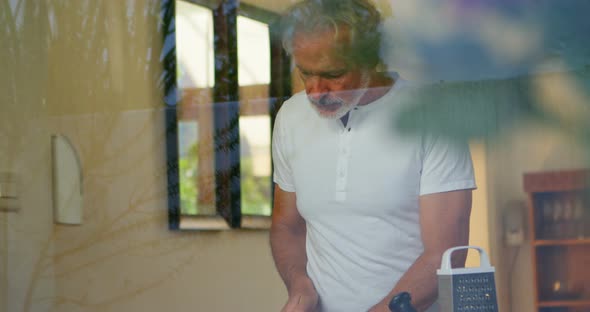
x,y
194,48
253,78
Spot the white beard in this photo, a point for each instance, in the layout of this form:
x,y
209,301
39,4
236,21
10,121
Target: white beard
x,y
346,106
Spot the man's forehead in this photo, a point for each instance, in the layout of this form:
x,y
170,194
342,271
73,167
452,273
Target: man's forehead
x,y
319,56
333,34
324,71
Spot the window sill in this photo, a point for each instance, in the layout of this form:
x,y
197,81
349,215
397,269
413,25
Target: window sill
x,y
253,222
218,223
203,223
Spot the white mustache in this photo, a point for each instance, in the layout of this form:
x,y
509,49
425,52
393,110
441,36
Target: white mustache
x,y
326,101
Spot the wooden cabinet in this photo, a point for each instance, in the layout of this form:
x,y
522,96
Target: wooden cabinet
x,y
559,226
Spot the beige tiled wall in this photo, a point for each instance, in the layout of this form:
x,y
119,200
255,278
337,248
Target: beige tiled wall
x,y
123,254
123,257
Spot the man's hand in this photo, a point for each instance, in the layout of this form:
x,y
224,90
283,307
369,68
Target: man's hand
x,y
302,297
380,307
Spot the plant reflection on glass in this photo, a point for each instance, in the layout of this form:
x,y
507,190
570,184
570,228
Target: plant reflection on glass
x,y
188,167
255,190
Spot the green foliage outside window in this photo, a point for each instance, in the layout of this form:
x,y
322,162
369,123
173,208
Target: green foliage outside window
x,y
188,166
255,191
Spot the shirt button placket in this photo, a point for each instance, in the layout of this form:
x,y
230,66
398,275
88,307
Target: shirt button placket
x,y
342,164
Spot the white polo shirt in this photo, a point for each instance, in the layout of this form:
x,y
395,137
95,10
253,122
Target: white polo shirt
x,y
357,188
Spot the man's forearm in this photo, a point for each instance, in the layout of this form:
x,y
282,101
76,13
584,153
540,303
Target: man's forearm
x,y
288,251
420,279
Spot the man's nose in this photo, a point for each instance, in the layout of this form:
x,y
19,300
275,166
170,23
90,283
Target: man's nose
x,y
315,86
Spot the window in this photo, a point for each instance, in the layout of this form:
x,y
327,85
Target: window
x,y
220,110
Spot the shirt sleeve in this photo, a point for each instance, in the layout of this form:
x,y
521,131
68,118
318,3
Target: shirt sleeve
x,y
282,174
446,166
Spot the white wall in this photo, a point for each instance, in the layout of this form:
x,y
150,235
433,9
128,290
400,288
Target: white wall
x,y
530,149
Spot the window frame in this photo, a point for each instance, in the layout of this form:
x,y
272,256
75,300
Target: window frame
x,y
226,112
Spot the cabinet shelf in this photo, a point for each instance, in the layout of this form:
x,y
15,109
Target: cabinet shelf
x,y
561,242
564,303
558,202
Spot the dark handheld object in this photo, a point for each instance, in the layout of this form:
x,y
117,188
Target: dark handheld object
x,y
401,303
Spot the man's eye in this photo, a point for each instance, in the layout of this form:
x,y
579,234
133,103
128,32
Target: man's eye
x,y
333,75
